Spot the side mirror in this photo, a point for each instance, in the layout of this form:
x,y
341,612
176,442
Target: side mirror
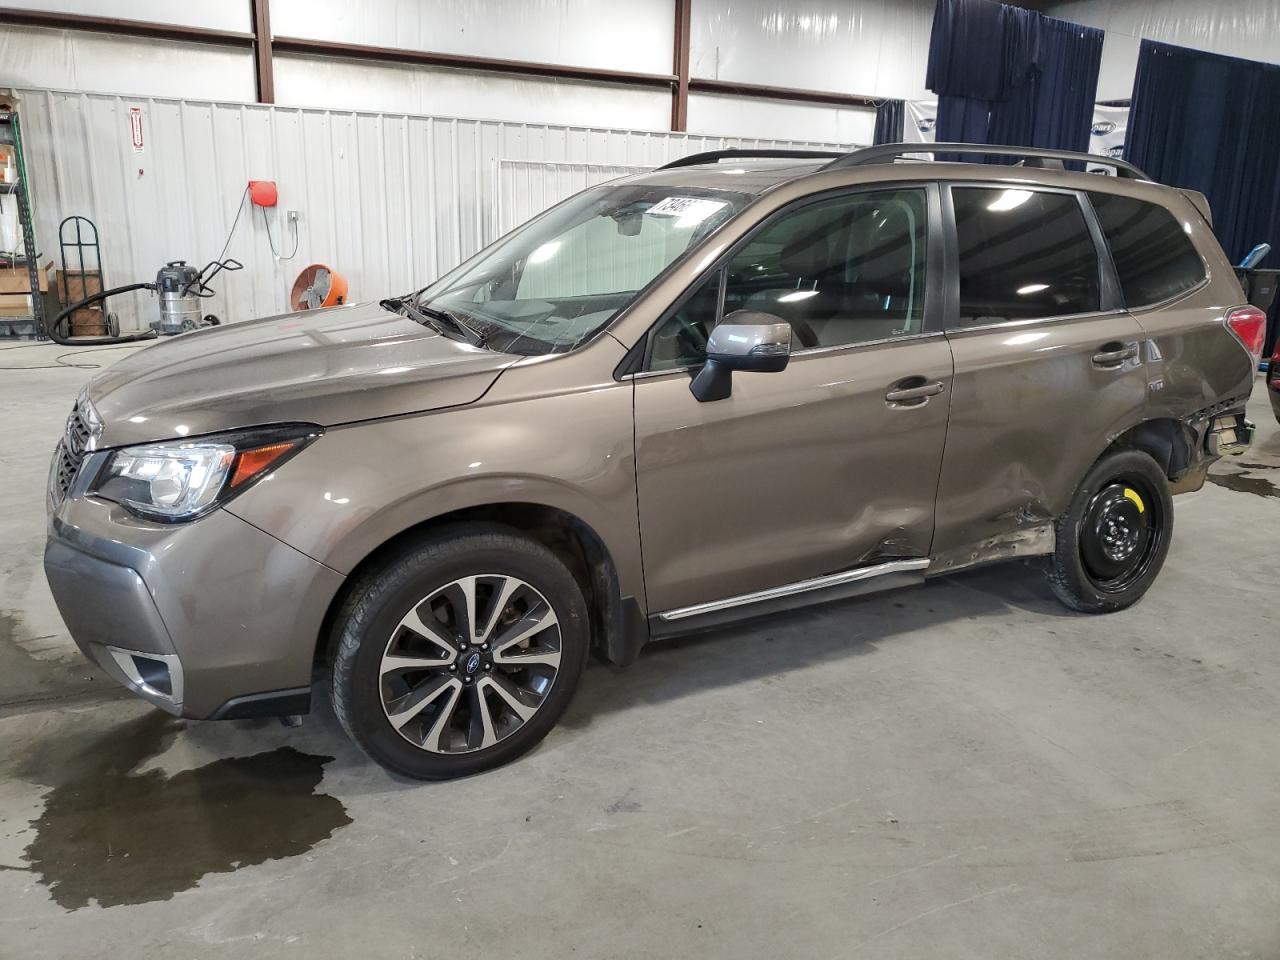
x,y
747,341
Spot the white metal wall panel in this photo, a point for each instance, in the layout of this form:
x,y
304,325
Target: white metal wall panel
x,y
524,188
632,35
1238,28
744,116
396,88
77,60
223,15
877,49
389,200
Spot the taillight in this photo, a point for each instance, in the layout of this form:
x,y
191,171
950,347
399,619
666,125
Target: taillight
x,y
1249,324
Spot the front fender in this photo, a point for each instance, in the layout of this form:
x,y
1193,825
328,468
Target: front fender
x,y
359,486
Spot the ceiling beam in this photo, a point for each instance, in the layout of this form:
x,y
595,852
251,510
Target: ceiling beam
x,y
762,92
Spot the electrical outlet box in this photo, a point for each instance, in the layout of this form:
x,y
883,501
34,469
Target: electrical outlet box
x,y
292,215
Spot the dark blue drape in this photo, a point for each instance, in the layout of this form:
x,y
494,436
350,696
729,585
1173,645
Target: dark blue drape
x,y
890,116
1209,122
1008,75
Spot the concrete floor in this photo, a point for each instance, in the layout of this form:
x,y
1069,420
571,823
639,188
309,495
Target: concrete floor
x,y
958,770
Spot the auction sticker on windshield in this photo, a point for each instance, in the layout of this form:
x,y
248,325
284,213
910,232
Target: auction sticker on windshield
x,y
686,208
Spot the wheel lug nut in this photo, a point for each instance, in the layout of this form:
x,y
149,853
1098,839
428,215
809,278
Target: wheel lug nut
x,y
488,666
484,646
453,668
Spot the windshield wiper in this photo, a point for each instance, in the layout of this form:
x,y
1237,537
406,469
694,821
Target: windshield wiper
x,y
439,320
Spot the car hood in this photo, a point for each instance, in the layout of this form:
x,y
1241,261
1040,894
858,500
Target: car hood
x,y
328,367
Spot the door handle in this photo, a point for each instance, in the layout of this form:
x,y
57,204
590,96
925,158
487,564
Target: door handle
x,y
1112,355
912,392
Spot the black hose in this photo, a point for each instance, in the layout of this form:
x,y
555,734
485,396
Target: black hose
x,y
57,336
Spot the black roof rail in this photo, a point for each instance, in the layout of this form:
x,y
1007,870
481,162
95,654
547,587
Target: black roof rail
x,y
888,152
713,156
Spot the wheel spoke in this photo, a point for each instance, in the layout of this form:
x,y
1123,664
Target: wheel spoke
x,y
463,597
401,711
481,723
432,742
432,632
535,621
399,663
500,686
502,596
546,658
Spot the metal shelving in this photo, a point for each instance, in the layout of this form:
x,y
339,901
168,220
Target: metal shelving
x,y
11,135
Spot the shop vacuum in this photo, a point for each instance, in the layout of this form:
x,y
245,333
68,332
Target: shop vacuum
x,y
181,288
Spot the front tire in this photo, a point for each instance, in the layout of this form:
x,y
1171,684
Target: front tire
x,y
460,653
1114,537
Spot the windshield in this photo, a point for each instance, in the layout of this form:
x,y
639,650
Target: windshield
x,y
555,281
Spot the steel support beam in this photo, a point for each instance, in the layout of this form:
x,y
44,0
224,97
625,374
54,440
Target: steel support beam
x,y
680,89
761,92
263,66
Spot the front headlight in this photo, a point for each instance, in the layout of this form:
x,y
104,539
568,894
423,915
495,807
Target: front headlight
x,y
185,479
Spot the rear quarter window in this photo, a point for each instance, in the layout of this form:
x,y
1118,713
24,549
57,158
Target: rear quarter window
x,y
1154,258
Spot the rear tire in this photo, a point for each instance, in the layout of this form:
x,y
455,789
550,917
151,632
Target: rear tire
x,y
460,653
1114,537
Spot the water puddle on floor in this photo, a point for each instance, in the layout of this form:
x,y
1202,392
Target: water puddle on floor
x,y
111,835
1245,482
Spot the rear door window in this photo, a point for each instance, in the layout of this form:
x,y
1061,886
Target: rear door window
x,y
1023,254
1154,258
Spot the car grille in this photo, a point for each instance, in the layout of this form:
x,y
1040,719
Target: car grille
x,y
79,437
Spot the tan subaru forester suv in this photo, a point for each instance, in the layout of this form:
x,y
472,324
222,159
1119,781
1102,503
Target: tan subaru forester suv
x,y
740,383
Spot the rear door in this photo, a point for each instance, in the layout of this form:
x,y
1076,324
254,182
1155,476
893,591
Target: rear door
x,y
1048,364
823,466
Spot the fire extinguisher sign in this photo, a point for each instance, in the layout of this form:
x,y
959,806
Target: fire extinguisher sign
x,y
135,128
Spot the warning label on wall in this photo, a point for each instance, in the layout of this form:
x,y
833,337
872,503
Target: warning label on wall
x,y
135,129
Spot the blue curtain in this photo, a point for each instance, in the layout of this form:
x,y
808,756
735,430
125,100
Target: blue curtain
x,y
1008,75
890,116
1209,122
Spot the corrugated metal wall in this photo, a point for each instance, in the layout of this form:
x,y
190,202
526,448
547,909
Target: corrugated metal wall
x,y
389,200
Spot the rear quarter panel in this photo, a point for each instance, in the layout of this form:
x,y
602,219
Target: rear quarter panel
x,y
1192,360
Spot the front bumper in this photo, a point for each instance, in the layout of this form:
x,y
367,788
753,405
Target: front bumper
x,y
208,619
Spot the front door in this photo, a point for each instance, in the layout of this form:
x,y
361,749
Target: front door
x,y
829,464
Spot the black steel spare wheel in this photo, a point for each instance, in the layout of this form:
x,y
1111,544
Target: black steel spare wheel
x,y
1112,541
1121,533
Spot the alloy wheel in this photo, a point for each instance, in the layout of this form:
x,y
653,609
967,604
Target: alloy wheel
x,y
470,664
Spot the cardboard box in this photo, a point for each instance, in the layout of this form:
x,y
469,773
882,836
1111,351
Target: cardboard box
x,y
15,305
77,285
14,279
87,321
